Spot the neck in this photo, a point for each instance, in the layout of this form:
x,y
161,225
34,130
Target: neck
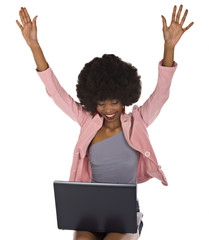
x,y
112,125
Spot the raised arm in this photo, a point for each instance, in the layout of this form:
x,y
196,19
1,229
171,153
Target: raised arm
x,y
29,32
172,34
152,106
62,99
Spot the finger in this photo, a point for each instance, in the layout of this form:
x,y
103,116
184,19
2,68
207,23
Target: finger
x,y
186,28
184,17
24,16
21,17
173,14
20,26
179,13
27,15
23,20
164,22
34,21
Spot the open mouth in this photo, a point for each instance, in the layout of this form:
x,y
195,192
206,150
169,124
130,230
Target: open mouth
x,y
110,116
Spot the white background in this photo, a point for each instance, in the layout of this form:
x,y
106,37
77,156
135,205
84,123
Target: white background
x,y
37,138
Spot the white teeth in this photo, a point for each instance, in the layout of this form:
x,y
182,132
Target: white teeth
x,y
110,115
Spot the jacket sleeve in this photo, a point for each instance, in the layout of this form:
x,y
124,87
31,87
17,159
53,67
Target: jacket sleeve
x,y
62,99
152,106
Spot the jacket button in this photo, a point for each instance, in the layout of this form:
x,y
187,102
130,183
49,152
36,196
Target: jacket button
x,y
147,154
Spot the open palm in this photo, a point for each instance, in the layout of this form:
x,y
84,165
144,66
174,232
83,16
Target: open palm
x,y
173,33
28,27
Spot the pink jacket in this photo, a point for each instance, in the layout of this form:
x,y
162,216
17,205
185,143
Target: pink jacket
x,y
134,125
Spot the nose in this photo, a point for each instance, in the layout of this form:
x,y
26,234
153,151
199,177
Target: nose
x,y
108,109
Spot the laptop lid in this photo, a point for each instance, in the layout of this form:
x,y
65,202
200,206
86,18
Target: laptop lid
x,y
96,207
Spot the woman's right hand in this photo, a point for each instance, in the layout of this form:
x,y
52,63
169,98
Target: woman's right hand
x,y
28,27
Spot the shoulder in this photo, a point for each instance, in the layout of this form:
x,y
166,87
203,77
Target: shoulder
x,y
134,114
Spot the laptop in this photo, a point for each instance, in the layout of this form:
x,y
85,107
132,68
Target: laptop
x,y
96,207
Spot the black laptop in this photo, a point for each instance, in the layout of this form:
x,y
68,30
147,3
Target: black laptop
x,y
96,207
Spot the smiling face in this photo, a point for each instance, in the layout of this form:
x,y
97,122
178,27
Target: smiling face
x,y
110,109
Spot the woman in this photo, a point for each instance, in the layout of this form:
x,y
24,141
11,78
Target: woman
x,y
105,86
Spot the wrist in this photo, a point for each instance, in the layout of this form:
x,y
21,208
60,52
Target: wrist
x,y
168,55
34,45
169,46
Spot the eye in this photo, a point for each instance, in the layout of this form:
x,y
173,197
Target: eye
x,y
100,104
115,102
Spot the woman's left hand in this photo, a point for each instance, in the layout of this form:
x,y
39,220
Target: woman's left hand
x,y
173,33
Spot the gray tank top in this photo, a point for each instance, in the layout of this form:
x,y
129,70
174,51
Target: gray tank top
x,y
113,160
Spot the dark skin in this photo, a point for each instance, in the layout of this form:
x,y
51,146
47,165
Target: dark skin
x,y
111,124
172,35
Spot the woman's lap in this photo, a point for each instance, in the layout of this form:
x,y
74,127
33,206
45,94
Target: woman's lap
x,y
108,236
84,235
88,235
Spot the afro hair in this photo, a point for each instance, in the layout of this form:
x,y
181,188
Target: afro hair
x,y
108,78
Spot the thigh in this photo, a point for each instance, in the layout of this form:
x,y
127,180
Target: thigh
x,y
128,236
121,236
85,235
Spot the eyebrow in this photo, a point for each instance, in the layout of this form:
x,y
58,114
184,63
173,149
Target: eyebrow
x,y
112,100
